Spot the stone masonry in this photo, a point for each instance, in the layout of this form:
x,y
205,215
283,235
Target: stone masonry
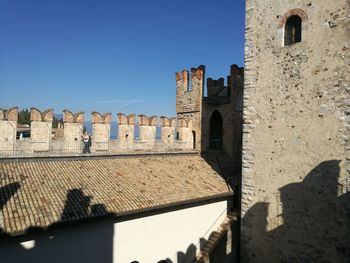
x,y
8,128
296,148
41,129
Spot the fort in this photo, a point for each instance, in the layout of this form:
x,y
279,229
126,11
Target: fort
x,y
189,130
267,154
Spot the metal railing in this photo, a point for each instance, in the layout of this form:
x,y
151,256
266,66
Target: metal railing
x,y
113,147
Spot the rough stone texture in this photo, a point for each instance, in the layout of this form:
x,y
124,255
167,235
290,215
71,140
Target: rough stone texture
x,y
189,99
73,130
227,100
126,136
101,134
296,134
8,129
40,135
40,129
101,130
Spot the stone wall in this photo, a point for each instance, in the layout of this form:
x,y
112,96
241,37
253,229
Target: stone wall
x,y
101,129
189,99
41,129
296,134
42,140
227,100
8,128
73,130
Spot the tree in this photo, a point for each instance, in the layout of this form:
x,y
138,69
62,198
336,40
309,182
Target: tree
x,y
24,117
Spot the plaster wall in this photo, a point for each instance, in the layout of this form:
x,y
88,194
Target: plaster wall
x,y
173,235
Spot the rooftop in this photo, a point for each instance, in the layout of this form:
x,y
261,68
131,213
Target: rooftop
x,y
37,193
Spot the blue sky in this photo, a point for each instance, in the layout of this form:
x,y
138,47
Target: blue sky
x,y
112,56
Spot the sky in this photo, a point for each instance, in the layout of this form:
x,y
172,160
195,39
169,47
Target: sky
x,y
112,55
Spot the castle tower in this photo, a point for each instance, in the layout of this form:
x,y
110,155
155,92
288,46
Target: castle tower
x,y
189,100
222,115
296,150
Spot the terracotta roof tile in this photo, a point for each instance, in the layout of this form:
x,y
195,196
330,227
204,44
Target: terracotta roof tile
x,y
41,193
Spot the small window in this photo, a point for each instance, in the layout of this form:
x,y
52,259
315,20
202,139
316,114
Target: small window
x,y
292,30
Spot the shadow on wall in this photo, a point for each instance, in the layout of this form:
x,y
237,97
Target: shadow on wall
x,y
81,242
314,225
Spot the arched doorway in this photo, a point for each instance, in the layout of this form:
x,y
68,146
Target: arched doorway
x,y
215,134
194,139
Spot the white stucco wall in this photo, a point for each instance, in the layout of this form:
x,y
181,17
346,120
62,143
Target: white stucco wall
x,y
171,235
167,235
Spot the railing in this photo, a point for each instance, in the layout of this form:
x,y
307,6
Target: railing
x,y
98,148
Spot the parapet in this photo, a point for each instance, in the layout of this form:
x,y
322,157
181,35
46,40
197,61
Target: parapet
x,y
37,115
69,117
236,71
183,75
99,118
182,123
126,120
198,72
216,88
145,121
10,114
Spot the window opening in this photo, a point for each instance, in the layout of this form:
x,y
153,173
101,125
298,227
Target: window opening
x,y
292,30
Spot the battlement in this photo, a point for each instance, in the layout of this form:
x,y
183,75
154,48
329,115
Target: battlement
x,y
102,119
69,117
218,89
42,141
10,114
188,98
37,115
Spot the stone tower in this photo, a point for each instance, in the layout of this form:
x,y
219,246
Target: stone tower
x,y
214,121
189,100
296,152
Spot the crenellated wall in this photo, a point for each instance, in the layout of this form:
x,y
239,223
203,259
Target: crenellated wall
x,y
73,130
41,129
42,140
101,130
168,126
8,128
188,131
147,130
225,100
126,130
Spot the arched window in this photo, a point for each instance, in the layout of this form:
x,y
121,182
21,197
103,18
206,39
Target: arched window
x,y
215,135
292,30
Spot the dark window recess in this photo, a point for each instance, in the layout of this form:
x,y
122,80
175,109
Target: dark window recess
x,y
194,139
292,30
216,124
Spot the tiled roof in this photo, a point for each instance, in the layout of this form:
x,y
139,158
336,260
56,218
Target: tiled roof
x,y
42,193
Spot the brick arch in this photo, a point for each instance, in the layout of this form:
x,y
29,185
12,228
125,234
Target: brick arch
x,y
294,12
